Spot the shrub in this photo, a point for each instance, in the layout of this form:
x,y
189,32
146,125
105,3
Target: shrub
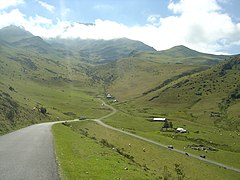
x,y
43,110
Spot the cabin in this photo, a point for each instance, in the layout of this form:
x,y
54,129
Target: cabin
x,y
159,119
181,130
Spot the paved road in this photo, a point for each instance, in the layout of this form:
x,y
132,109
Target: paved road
x,y
28,154
157,143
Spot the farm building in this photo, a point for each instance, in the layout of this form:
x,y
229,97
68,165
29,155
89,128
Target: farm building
x,y
159,119
181,130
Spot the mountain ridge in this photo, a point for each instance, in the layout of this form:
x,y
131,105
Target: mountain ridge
x,y
13,33
98,51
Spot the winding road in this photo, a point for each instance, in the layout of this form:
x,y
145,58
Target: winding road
x,y
28,153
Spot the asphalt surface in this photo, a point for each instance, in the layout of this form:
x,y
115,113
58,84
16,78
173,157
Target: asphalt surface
x,y
159,144
28,154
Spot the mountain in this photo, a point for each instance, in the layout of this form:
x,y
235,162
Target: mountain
x,y
34,43
57,72
184,54
89,51
145,72
102,51
4,43
179,51
14,33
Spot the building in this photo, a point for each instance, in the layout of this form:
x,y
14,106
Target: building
x,y
159,119
181,130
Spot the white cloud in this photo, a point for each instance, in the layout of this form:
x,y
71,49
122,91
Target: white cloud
x,y
14,17
194,6
39,20
4,4
201,25
154,19
47,6
37,25
198,24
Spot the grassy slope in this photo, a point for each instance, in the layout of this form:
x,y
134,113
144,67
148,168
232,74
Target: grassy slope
x,y
209,136
75,161
182,104
200,94
43,80
81,157
129,78
136,109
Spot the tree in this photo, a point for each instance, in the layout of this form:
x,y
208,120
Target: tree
x,y
43,110
166,125
11,88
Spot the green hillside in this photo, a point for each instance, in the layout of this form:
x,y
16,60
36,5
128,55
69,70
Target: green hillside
x,y
31,80
141,73
182,54
205,103
62,79
34,43
102,51
204,94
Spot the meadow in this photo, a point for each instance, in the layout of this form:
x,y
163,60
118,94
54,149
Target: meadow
x,y
88,150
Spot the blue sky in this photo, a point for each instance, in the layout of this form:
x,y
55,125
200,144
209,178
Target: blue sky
x,y
128,12
205,25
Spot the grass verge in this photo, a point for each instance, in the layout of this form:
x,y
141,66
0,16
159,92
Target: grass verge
x,y
82,155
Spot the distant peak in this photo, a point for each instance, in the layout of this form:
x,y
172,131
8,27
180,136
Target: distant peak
x,y
14,27
14,33
180,47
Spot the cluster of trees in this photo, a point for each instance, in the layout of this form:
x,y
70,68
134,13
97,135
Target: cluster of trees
x,y
167,124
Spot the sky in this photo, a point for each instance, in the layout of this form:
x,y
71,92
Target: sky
x,y
210,26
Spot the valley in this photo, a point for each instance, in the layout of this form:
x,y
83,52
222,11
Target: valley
x,y
50,80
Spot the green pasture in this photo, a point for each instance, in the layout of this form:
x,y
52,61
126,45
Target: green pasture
x,y
79,149
226,142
